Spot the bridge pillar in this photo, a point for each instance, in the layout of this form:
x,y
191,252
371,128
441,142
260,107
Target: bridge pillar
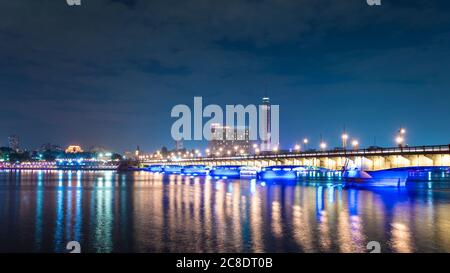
x,y
329,163
308,162
380,163
288,161
340,162
399,161
420,160
441,160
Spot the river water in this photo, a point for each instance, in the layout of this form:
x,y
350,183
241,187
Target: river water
x,y
106,211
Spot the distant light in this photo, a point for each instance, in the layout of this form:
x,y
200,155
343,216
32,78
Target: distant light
x,y
402,131
344,136
323,145
275,149
255,146
305,141
297,147
355,143
399,140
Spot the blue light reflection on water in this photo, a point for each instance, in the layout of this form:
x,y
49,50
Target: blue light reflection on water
x,y
144,212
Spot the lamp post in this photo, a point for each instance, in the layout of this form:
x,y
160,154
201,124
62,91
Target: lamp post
x,y
355,144
305,143
275,149
400,139
344,140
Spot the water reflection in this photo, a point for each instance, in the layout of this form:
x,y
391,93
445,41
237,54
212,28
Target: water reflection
x,y
144,212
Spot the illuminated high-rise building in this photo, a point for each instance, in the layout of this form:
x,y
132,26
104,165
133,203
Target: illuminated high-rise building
x,y
266,142
227,140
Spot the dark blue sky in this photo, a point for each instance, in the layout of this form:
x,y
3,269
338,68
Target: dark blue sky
x,y
108,73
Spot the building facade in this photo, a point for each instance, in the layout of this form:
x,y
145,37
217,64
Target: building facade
x,y
13,142
266,141
227,140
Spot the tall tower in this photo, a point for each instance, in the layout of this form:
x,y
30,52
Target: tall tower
x,y
266,144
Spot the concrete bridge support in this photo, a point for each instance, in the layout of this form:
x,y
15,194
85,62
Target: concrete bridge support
x,y
420,160
441,160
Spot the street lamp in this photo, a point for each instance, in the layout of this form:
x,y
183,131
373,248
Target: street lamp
x,y
297,147
305,142
399,140
323,145
344,140
355,144
401,137
275,149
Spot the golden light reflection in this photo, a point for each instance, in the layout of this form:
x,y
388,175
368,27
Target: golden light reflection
x,y
277,228
401,238
256,222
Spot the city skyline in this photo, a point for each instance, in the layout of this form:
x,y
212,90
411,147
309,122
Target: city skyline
x,y
91,81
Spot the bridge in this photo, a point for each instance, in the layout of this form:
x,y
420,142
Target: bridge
x,y
366,159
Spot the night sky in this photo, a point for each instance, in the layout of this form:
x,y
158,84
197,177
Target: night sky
x,y
109,72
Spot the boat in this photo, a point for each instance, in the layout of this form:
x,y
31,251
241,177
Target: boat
x,y
226,171
195,170
248,171
172,169
155,168
383,178
286,172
